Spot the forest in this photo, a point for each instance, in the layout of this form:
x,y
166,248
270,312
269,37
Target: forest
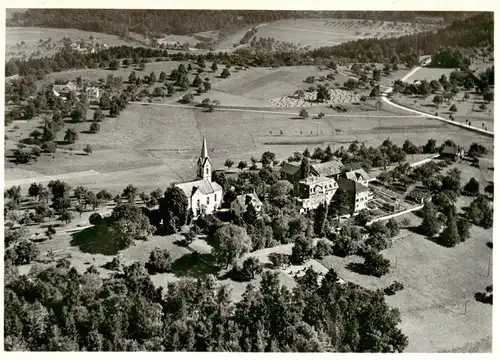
x,y
461,35
181,22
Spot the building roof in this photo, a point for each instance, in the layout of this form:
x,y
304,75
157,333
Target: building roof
x,y
450,150
312,179
205,186
352,186
357,175
290,169
328,168
69,86
242,200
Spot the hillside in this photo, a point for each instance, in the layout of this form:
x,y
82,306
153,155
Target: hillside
x,y
182,22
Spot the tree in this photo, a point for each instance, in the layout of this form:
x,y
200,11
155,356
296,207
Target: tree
x,y
279,260
21,156
158,92
480,212
341,204
231,242
95,127
87,149
303,249
430,147
114,110
197,81
95,219
376,75
132,78
393,227
22,253
225,73
476,150
130,193
303,114
71,136
98,115
322,94
228,163
160,261
450,235
173,208
488,96
320,219
251,267
376,265
267,158
242,164
463,227
105,101
453,108
214,67
279,192
438,99
305,167
430,224
472,187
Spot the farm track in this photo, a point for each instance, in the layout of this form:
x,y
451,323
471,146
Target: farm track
x,y
257,110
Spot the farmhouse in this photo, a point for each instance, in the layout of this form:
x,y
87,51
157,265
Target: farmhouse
x,y
92,93
65,90
359,193
452,152
240,204
315,190
290,172
204,195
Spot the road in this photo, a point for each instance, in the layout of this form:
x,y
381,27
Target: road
x,y
385,99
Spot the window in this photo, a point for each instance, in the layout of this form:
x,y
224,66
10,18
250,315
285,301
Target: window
x,y
206,172
215,197
198,203
208,200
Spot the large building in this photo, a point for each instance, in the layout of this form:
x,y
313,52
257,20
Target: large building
x,y
315,190
204,195
359,193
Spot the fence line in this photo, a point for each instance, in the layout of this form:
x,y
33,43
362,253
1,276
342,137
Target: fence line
x,y
387,217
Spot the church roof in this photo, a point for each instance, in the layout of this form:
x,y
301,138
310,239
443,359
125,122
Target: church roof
x,y
205,186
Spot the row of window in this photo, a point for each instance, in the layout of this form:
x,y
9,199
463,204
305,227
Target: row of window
x,y
198,202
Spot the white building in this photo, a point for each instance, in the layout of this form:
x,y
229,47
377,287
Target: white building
x,y
92,93
315,190
204,195
239,205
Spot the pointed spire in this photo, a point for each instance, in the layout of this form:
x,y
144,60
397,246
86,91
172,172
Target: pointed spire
x,y
204,150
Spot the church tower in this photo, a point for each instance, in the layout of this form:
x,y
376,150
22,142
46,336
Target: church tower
x,y
204,163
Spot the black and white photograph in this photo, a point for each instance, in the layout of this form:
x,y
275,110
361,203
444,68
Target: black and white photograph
x,y
248,180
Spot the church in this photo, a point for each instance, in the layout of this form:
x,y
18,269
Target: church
x,y
204,195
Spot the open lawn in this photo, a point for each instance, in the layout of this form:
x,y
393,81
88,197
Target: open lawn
x,y
32,36
151,146
437,283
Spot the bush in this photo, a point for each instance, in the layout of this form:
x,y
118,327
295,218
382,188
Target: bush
x,y
393,288
160,261
22,253
376,265
251,267
279,260
95,219
322,249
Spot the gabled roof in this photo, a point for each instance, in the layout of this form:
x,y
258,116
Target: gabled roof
x,y
328,168
290,169
451,150
205,186
241,199
357,175
352,186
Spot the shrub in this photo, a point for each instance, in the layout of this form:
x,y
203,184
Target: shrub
x,y
322,249
160,261
22,253
376,265
95,219
393,288
279,260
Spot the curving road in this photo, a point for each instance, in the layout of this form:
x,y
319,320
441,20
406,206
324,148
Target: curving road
x,y
385,99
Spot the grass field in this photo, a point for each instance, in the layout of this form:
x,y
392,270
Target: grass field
x,y
314,33
32,36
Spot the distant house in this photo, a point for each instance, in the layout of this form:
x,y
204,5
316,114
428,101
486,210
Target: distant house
x,y
359,193
65,90
452,152
92,93
240,204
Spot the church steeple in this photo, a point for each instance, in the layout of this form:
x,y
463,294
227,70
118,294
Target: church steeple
x,y
204,163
